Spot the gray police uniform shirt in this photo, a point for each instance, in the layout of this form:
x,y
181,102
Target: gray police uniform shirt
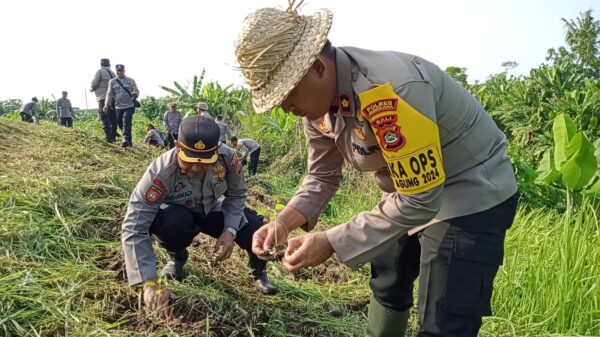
x,y
64,108
248,145
171,121
122,99
224,132
100,82
29,108
401,90
206,114
155,136
163,183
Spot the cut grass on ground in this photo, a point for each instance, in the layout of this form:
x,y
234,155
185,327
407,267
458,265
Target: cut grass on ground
x,y
62,196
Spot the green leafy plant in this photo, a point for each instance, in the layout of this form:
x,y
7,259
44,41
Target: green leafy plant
x,y
572,164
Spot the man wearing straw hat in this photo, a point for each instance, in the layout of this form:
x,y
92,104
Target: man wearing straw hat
x,y
437,156
178,197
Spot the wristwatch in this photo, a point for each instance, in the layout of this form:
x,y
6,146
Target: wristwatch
x,y
232,230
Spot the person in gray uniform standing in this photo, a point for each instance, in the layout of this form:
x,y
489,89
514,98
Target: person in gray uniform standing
x,y
123,91
449,193
202,110
64,110
99,86
225,131
171,121
29,110
180,196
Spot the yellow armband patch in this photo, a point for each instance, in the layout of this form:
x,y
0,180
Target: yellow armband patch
x,y
409,141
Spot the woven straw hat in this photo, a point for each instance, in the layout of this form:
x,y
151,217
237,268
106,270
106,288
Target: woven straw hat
x,y
276,49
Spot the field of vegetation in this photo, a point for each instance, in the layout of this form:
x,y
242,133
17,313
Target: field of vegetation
x,y
63,194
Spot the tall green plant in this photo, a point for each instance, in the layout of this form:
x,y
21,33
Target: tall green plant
x,y
572,164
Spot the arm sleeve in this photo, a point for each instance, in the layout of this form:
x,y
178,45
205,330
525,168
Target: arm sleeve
x,y
144,203
134,88
166,121
370,233
235,196
95,81
109,94
58,108
323,178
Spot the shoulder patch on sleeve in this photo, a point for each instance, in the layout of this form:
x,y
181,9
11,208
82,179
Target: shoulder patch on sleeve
x,y
153,194
409,141
159,183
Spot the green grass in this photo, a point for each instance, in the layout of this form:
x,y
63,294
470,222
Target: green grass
x,y
63,194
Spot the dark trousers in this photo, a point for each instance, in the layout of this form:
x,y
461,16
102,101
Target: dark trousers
x,y
253,166
456,261
176,226
124,118
171,138
109,121
26,117
153,142
66,121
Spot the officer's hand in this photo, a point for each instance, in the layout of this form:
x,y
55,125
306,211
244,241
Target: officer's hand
x,y
105,109
307,250
268,237
225,242
157,298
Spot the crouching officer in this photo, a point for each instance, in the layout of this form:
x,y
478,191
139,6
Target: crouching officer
x,y
177,198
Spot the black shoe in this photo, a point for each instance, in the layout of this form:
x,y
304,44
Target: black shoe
x,y
174,268
262,283
126,144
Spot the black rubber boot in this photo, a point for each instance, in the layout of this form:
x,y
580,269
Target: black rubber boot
x,y
262,282
174,268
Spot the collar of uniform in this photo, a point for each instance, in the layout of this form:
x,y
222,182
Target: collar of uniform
x,y
343,67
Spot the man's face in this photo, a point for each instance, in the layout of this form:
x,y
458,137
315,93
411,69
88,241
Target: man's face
x,y
64,95
121,72
173,108
314,94
193,170
234,143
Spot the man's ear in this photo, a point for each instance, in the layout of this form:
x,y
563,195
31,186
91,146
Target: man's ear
x,y
319,66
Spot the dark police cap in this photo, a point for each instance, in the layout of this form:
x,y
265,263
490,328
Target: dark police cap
x,y
120,67
198,140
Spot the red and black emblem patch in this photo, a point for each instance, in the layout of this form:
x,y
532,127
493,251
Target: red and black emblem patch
x,y
382,105
390,137
345,104
153,194
156,181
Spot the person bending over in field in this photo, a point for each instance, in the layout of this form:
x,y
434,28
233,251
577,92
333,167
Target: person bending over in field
x,y
438,157
178,197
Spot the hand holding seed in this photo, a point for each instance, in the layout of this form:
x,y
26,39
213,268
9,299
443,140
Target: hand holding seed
x,y
270,240
307,250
